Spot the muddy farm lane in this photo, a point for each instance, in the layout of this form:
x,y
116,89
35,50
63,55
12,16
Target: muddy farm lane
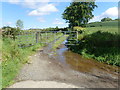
x,y
67,67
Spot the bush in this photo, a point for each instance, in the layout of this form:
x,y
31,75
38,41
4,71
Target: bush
x,y
10,32
77,28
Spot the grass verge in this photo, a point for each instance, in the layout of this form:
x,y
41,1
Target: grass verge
x,y
13,57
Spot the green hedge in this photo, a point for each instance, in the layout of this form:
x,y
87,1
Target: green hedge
x,y
102,46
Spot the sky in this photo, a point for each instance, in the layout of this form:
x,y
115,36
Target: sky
x,y
47,14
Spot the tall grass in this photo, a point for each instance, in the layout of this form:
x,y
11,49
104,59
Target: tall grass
x,y
0,60
13,58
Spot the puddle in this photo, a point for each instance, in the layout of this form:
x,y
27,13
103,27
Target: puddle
x,y
81,64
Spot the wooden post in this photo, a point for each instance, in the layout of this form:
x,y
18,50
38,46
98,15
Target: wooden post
x,y
40,37
37,33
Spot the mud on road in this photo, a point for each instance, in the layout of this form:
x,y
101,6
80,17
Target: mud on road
x,y
43,67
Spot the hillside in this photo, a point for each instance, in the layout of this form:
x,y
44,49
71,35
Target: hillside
x,y
111,26
103,24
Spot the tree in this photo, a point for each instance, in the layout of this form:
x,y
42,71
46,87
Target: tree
x,y
19,24
79,13
117,19
106,19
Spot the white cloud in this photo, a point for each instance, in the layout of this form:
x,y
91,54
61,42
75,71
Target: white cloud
x,y
32,4
57,21
28,3
14,1
40,7
111,12
40,19
43,10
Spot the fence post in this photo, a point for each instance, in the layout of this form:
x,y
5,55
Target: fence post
x,y
77,35
65,34
37,33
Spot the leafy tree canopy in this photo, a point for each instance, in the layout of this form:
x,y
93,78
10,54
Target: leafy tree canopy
x,y
79,13
19,24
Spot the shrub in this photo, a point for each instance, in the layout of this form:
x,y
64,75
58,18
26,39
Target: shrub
x,y
10,32
77,28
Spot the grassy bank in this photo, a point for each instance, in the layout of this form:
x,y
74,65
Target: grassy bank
x,y
13,58
0,61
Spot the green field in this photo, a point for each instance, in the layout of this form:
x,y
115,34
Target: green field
x,y
104,24
111,26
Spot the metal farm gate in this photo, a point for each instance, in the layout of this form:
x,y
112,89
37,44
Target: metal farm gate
x,y
29,38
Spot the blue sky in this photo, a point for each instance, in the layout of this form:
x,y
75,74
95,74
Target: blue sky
x,y
48,14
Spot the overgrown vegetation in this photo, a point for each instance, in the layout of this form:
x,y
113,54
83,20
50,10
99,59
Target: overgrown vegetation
x,y
10,32
100,44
